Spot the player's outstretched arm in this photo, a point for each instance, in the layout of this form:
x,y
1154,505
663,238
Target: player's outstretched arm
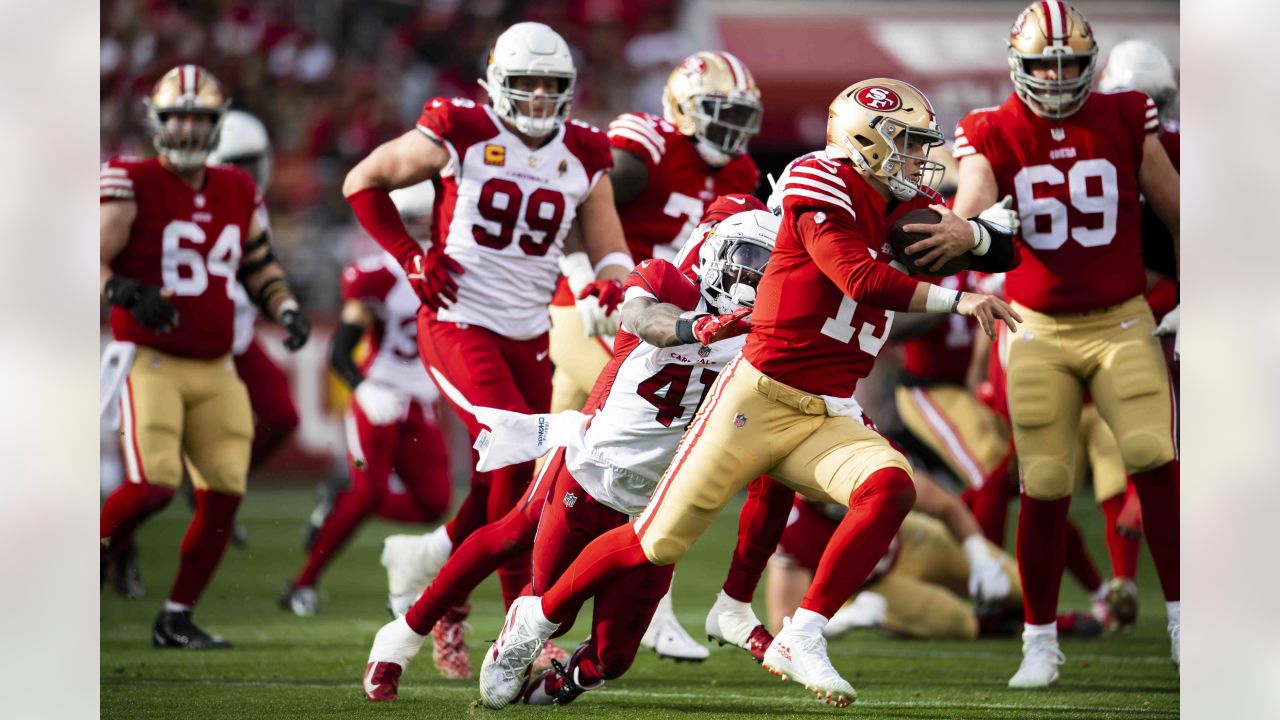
x,y
355,319
666,325
265,282
407,160
629,176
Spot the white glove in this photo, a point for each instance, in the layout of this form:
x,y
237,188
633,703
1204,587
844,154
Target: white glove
x,y
594,320
988,582
513,437
380,404
1169,325
1003,215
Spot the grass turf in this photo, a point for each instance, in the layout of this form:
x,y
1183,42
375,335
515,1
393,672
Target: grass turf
x,y
288,667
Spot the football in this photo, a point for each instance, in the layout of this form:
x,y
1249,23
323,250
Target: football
x,y
899,240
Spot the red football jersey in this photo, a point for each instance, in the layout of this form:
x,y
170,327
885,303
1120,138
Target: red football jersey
x,y
681,184
1075,185
942,355
828,296
187,241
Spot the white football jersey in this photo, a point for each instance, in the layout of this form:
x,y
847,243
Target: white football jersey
x,y
653,396
395,363
504,210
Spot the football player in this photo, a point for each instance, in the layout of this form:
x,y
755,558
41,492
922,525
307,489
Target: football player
x,y
785,406
1075,163
666,171
513,179
391,423
176,236
679,329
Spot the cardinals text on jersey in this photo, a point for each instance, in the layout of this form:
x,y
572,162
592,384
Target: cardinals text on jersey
x,y
504,209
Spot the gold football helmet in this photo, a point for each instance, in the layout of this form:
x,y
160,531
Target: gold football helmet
x,y
186,90
712,97
887,128
1054,32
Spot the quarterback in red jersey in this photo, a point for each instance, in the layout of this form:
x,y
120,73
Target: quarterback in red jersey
x,y
785,406
513,179
1075,163
175,238
666,171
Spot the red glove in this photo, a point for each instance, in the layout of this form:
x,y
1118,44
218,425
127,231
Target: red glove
x,y
712,328
431,276
1129,523
608,294
726,205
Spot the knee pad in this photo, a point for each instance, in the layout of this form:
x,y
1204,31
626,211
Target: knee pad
x,y
664,551
1145,450
1032,400
1046,478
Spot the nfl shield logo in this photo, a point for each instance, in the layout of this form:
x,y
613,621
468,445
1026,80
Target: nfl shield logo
x,y
570,499
704,351
739,420
1058,134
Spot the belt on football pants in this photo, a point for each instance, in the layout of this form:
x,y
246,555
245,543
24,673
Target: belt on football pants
x,y
789,396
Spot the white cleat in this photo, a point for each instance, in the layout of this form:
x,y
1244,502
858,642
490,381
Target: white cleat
x,y
393,647
733,622
412,562
506,663
1175,632
668,639
1041,657
865,610
801,656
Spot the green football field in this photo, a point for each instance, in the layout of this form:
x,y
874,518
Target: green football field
x,y
288,667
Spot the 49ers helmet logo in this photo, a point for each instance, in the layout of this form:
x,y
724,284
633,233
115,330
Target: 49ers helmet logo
x,y
880,99
693,65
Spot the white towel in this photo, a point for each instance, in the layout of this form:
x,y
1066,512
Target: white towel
x,y
843,407
515,437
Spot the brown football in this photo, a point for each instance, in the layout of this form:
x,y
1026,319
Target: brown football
x,y
899,240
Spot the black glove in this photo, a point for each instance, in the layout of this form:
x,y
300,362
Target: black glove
x,y
146,303
298,328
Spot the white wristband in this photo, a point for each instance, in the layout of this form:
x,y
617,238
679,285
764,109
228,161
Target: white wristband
x,y
975,549
614,258
287,305
576,268
981,238
941,300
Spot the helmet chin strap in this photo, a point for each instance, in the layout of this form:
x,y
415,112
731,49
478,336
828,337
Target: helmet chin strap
x,y
742,294
714,157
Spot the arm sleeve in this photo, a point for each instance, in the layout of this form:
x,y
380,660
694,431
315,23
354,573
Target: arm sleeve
x,y
837,248
1003,254
341,355
380,218
114,183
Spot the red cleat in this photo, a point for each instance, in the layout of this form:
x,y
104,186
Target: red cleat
x,y
758,642
452,658
381,680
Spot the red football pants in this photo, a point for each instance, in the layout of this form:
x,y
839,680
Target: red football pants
x,y
414,448
571,519
275,416
475,367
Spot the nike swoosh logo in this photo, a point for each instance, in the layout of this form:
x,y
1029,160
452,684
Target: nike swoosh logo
x,y
1125,325
369,686
740,201
542,355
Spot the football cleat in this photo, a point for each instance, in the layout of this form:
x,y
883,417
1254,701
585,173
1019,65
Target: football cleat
x,y
866,610
1175,633
506,664
412,561
450,653
302,601
558,685
1041,657
802,656
732,622
175,630
393,647
1122,601
239,534
122,573
550,655
668,639
1079,624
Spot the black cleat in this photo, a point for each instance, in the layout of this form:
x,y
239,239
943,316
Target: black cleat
x,y
120,569
175,630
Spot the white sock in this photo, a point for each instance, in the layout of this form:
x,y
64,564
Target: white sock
x,y
440,538
1174,609
1048,630
665,606
171,606
540,619
808,621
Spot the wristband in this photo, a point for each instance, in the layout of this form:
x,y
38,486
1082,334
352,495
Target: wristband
x,y
614,258
941,300
981,238
684,327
